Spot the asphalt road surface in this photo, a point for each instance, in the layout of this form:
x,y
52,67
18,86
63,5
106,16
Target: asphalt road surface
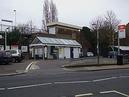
x,y
108,83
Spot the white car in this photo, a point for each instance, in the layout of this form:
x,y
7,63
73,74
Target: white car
x,y
16,55
90,54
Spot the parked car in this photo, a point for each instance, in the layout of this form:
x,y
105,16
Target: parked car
x,y
16,55
5,57
90,54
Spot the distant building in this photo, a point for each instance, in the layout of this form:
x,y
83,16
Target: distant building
x,y
63,30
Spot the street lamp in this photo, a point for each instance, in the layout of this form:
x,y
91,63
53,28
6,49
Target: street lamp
x,y
9,21
97,46
6,30
15,16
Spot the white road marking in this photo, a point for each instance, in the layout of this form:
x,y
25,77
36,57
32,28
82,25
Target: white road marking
x,y
27,68
81,95
28,86
31,66
2,89
106,92
96,80
121,94
72,82
114,91
104,79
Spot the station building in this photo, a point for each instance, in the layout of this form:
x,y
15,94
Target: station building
x,y
61,42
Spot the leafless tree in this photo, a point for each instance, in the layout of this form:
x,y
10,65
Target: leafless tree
x,y
49,13
46,11
106,25
111,23
46,14
111,19
97,23
53,12
27,28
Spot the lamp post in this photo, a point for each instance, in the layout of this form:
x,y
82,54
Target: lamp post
x,y
9,21
15,16
6,30
97,46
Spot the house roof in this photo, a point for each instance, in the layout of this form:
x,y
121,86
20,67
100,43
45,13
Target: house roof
x,y
54,42
64,24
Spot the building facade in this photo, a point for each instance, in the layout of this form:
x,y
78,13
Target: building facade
x,y
61,42
63,30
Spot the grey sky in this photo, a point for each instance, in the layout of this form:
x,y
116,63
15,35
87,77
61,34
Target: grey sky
x,y
78,12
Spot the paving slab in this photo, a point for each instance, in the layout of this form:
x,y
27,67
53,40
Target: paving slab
x,y
97,68
14,68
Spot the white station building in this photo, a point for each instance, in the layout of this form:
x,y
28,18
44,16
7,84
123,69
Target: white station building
x,y
54,48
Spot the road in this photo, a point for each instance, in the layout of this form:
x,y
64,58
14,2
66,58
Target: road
x,y
108,83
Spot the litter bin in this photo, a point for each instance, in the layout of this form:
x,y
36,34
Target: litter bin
x,y
119,59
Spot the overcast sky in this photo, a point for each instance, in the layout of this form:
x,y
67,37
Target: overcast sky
x,y
77,12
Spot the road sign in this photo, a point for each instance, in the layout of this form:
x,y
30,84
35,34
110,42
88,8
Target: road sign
x,y
122,33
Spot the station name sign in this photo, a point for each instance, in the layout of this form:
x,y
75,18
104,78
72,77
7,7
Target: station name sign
x,y
122,33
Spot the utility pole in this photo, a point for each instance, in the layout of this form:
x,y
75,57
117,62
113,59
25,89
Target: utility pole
x,y
9,21
15,17
6,30
118,44
98,59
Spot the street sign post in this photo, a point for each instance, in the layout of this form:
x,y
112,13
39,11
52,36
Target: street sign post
x,y
121,34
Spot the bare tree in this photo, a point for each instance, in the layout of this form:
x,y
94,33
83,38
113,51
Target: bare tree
x,y
111,19
46,14
46,11
49,13
27,28
111,22
97,23
106,26
53,12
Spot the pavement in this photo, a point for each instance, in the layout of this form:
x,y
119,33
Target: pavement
x,y
95,67
17,68
84,64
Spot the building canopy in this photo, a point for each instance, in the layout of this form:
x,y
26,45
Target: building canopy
x,y
46,41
